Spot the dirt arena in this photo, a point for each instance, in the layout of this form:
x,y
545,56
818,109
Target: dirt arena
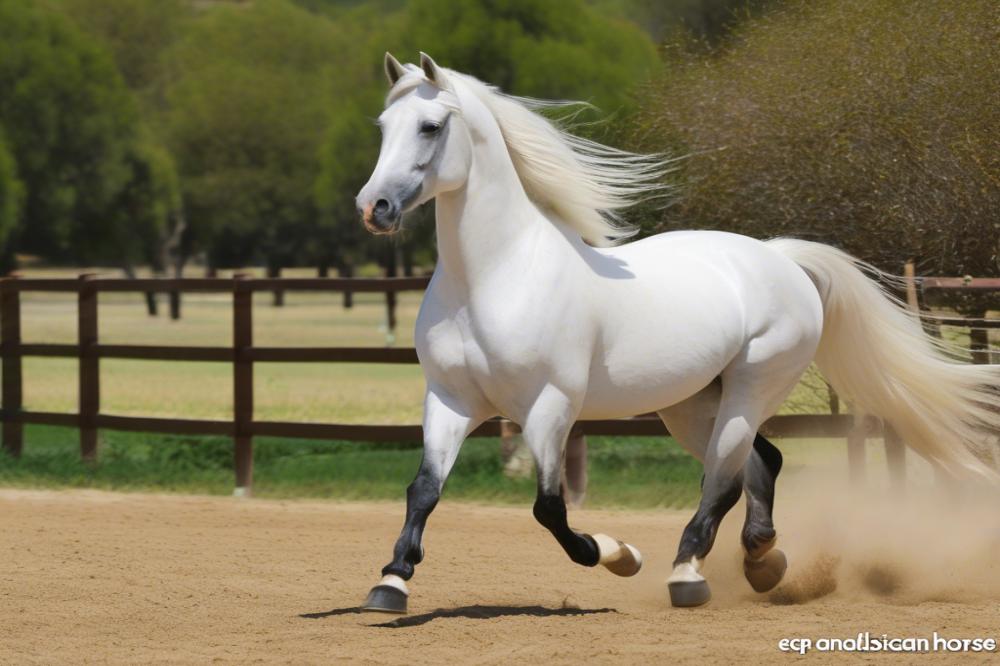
x,y
129,578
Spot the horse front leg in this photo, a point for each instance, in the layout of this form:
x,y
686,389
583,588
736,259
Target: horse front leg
x,y
445,428
545,431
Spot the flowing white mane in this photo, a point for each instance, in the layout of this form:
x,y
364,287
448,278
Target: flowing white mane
x,y
581,182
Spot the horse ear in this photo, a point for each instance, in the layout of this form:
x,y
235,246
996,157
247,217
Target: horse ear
x,y
393,69
431,70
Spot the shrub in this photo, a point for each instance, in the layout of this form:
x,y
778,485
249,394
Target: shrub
x,y
873,125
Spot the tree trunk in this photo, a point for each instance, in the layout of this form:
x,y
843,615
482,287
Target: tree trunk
x,y
175,294
407,252
323,271
834,399
150,296
172,253
346,270
279,294
175,304
391,270
8,259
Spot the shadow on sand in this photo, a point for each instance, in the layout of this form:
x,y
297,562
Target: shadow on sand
x,y
468,612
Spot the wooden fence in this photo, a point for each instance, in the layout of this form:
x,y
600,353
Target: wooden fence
x,y
242,354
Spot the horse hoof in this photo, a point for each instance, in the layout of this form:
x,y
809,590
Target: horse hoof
x,y
389,596
764,574
617,556
688,593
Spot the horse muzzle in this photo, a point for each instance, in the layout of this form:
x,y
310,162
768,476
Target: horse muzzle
x,y
381,217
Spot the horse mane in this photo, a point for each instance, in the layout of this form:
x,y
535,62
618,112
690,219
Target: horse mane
x,y
583,183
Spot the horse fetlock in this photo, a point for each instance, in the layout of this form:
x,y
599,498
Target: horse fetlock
x,y
764,573
618,557
415,555
758,540
403,570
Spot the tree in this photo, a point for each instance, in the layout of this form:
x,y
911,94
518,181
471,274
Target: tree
x,y
11,194
135,33
244,121
565,50
709,21
869,125
527,47
69,121
347,157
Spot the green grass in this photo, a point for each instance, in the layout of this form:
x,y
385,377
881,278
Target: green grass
x,y
636,472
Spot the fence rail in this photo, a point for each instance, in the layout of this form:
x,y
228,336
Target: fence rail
x,y
242,354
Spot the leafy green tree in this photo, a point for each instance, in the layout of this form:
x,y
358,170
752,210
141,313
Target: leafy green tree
x,y
244,121
134,32
527,47
70,122
146,210
347,157
11,194
564,50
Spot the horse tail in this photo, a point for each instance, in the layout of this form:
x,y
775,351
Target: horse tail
x,y
874,352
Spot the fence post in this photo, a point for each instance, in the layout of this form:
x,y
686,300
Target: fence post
x,y
242,385
10,340
910,277
89,371
856,437
895,456
895,449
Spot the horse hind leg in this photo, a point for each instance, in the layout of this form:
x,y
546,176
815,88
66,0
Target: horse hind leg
x,y
691,423
750,392
763,564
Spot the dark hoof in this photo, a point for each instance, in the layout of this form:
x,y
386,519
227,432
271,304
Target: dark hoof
x,y
685,594
764,574
385,599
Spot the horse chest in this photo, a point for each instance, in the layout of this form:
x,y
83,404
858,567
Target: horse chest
x,y
499,354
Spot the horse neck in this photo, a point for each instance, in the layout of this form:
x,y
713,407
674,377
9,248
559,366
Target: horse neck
x,y
483,226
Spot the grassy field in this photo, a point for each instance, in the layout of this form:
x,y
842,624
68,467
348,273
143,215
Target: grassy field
x,y
637,471
624,472
322,392
641,472
345,393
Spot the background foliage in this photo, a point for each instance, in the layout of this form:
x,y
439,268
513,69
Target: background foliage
x,y
70,124
871,125
236,132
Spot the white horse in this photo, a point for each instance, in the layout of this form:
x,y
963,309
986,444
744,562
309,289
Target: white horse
x,y
531,316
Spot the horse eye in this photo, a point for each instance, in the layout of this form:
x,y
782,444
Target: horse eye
x,y
430,127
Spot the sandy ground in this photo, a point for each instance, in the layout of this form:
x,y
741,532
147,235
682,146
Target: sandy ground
x,y
127,578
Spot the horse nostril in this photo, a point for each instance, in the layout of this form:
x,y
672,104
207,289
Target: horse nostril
x,y
381,207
